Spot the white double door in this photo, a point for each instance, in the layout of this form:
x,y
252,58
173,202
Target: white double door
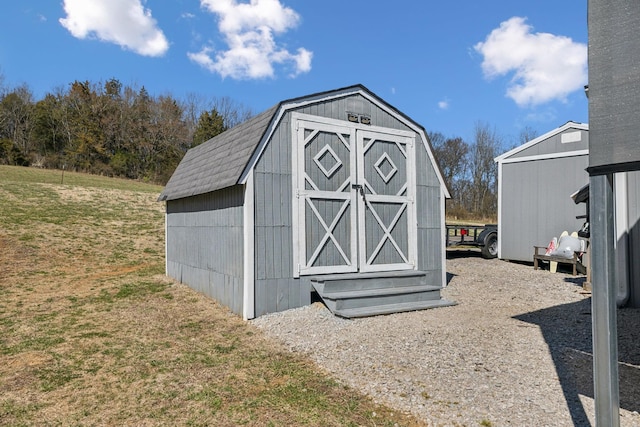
x,y
354,197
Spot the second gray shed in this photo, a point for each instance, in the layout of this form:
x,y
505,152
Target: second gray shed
x,y
535,182
336,192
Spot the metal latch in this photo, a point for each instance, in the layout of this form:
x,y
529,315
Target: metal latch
x,y
359,188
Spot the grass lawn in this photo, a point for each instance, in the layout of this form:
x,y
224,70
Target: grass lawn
x,y
93,333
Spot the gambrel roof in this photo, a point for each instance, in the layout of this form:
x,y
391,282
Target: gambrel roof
x,y
218,162
226,159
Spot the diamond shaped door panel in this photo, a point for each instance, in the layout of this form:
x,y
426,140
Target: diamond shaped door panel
x,y
324,171
385,167
387,222
354,204
327,165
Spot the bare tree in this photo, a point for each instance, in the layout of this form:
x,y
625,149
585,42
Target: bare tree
x,y
3,88
232,112
484,171
452,155
453,160
437,139
527,134
195,104
16,110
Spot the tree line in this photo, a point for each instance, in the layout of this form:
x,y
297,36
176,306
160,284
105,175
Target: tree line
x,y
470,172
109,128
113,129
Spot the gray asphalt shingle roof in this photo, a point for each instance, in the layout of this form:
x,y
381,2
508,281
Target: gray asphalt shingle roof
x,y
218,162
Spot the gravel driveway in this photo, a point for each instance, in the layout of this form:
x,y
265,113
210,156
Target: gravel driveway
x,y
514,351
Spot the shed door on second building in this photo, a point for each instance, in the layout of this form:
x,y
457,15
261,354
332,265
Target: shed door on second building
x,y
355,190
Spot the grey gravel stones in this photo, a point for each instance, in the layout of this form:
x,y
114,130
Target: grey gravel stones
x,y
515,351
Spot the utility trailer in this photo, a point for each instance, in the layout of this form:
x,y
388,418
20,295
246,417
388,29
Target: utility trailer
x,y
484,237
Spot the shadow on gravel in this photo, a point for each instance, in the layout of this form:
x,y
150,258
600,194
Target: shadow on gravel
x,y
463,253
450,277
576,280
567,331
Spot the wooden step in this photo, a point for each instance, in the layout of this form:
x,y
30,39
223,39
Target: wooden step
x,y
369,294
358,281
362,293
391,308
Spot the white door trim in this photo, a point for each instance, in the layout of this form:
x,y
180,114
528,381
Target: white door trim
x,y
303,198
406,144
248,295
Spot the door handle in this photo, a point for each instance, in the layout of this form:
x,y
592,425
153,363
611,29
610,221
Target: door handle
x,y
360,189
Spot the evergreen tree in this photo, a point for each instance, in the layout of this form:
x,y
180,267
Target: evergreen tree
x,y
210,124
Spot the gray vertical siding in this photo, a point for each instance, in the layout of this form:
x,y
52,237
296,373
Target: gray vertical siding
x,y
536,204
386,211
205,234
328,209
329,255
633,187
333,182
205,244
428,191
428,199
373,177
276,288
554,145
338,108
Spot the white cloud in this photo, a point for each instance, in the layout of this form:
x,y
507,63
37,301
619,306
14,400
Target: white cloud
x,y
444,104
545,67
248,30
123,22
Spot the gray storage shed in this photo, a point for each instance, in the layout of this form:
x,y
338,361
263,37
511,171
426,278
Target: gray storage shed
x,y
336,191
535,182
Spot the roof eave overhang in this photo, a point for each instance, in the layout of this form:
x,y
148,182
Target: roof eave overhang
x,y
566,126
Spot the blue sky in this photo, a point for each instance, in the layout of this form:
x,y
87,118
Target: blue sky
x,y
447,65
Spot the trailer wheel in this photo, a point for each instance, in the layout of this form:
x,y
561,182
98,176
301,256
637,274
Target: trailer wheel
x,y
490,248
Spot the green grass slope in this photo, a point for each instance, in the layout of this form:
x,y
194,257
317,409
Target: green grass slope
x,y
93,333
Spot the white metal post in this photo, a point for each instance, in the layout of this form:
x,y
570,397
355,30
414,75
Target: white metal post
x,y
603,302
